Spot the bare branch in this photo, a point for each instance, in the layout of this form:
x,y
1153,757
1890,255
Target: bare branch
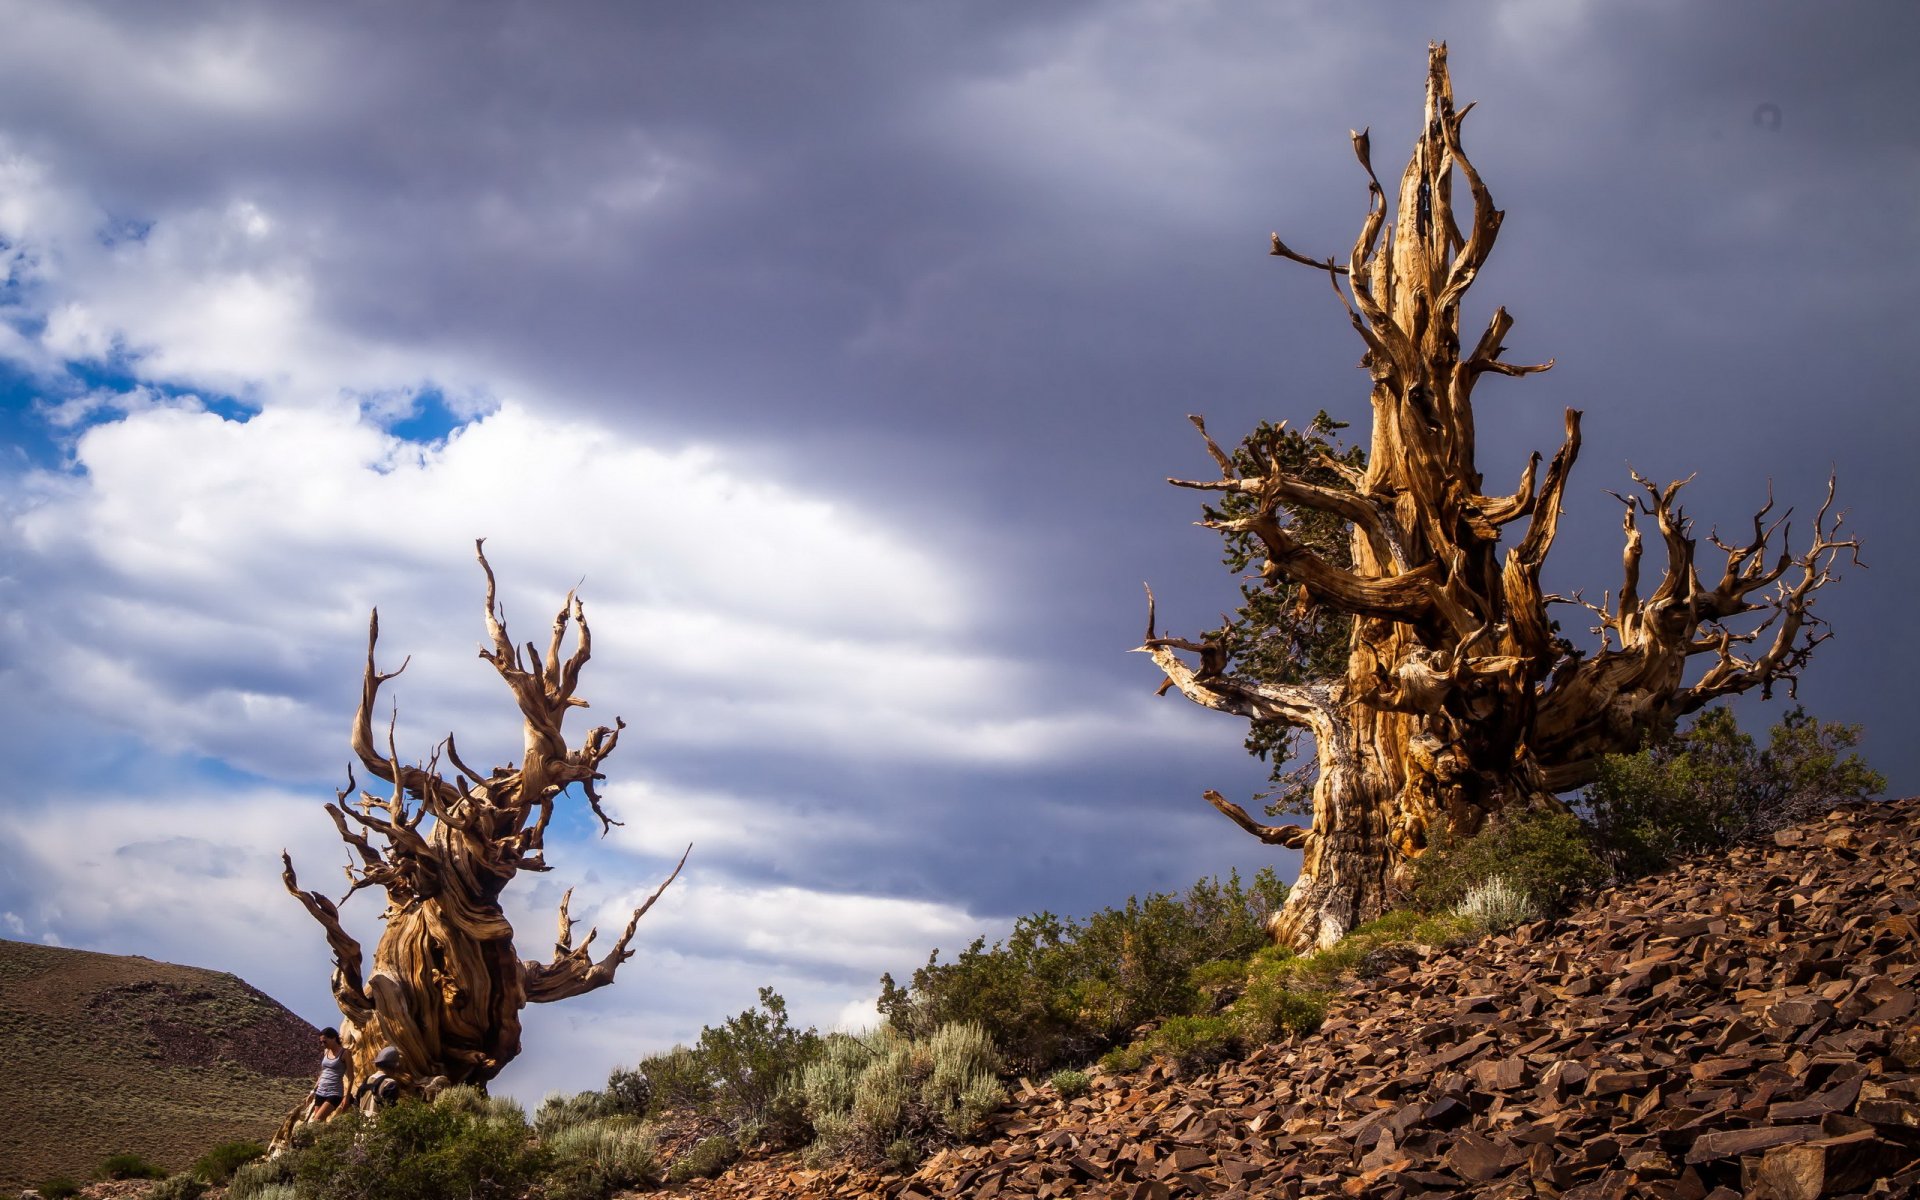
x,y
1290,836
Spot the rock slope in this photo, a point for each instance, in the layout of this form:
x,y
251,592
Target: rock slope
x,y
1739,1026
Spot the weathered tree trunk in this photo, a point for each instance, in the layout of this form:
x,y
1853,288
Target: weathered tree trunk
x,y
447,986
1460,699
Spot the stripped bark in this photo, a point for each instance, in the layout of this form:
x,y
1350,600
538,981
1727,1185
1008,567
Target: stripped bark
x,y
1461,698
446,986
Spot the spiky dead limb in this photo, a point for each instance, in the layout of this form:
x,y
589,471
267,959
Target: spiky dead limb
x,y
446,986
1461,698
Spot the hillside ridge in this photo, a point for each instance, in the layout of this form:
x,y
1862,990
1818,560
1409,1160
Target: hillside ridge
x,y
104,1053
1740,1025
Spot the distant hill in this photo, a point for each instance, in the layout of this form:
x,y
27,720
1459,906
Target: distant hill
x,y
101,1054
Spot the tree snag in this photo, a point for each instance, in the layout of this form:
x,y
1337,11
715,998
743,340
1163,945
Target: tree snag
x,y
1458,698
447,987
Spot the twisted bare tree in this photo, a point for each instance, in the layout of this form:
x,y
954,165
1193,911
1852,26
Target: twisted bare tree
x,y
446,987
1458,698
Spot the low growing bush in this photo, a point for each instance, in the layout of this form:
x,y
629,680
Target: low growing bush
x,y
863,1094
259,1179
1496,906
418,1151
184,1186
128,1166
591,1160
1545,854
217,1165
1712,786
58,1188
1070,1084
707,1158
1058,991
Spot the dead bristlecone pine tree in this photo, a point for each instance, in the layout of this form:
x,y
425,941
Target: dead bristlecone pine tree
x,y
1398,620
446,986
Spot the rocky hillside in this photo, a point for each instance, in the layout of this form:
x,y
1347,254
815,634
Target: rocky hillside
x,y
101,1054
1736,1027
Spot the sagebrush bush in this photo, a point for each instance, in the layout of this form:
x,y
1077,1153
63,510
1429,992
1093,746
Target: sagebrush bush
x,y
561,1110
862,1094
590,1160
257,1180
1496,906
473,1102
217,1165
1059,991
1070,1084
1712,786
128,1166
184,1186
59,1187
705,1159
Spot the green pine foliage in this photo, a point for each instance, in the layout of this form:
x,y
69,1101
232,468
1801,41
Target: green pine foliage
x,y
1273,636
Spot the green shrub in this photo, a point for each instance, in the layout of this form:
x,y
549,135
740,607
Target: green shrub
x,y
1273,1004
560,1111
1058,991
748,1060
1070,1083
58,1188
1123,1059
1711,787
128,1166
591,1160
707,1158
217,1165
184,1186
1193,1041
1546,854
629,1092
418,1151
863,1094
676,1079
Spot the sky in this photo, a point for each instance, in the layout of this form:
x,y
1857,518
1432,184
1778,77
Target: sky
x,y
839,353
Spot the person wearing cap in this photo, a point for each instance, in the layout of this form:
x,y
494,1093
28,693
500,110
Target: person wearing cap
x,y
329,1091
381,1088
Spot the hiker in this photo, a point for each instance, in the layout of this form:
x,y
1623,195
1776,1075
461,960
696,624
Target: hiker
x,y
329,1091
381,1088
